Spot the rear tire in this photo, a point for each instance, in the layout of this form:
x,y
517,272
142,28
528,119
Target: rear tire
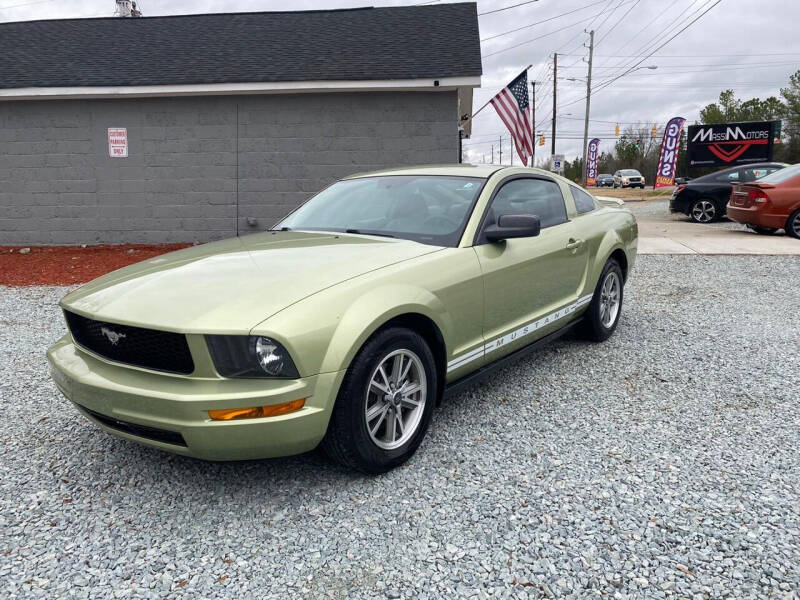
x,y
704,211
793,224
374,426
604,310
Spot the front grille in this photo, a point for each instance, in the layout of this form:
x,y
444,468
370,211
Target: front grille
x,y
634,179
151,433
147,348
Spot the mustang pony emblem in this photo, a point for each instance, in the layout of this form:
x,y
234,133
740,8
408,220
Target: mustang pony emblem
x,y
112,336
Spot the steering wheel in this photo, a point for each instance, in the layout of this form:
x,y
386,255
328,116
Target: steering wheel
x,y
448,223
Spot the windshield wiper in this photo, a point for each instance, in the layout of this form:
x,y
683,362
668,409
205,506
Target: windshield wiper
x,y
368,232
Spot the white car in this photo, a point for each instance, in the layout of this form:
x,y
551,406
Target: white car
x,y
628,178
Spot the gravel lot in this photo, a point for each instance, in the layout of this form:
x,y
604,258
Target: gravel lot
x,y
663,463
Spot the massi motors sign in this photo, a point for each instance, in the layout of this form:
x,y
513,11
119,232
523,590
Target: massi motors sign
x,y
730,143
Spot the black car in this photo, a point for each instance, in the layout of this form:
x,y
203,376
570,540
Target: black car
x,y
704,199
605,180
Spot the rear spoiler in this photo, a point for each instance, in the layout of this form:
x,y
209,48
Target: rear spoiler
x,y
608,201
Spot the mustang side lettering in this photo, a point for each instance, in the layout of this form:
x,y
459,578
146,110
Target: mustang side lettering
x,y
345,324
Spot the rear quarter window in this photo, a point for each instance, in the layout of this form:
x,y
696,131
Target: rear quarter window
x,y
584,202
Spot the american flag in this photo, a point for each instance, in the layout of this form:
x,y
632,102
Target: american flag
x,y
513,106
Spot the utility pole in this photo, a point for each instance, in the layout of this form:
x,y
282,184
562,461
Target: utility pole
x,y
555,79
492,153
501,150
533,123
588,103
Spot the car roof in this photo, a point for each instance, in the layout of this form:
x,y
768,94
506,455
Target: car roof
x,y
737,167
457,170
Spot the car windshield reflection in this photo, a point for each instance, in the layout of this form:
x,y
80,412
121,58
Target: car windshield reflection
x,y
428,209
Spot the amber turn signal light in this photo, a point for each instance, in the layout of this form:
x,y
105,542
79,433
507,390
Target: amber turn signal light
x,y
257,412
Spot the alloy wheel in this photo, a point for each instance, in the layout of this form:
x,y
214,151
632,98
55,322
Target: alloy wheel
x,y
795,225
704,211
395,399
609,299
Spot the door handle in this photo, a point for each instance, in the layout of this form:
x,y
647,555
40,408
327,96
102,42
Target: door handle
x,y
574,244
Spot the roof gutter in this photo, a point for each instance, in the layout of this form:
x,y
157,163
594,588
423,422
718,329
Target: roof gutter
x,y
227,89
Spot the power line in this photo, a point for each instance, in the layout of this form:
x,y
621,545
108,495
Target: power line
x,y
602,10
25,4
622,18
653,20
719,65
644,58
497,10
608,16
506,49
675,27
689,55
491,37
677,23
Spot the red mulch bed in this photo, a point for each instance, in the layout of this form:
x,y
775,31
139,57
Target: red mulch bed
x,y
66,265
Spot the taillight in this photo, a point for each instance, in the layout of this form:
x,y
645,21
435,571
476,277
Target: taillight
x,y
758,196
679,188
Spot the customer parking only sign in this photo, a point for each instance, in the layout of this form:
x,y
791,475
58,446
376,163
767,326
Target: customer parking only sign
x,y
118,142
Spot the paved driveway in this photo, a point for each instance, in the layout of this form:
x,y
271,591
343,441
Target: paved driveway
x,y
662,232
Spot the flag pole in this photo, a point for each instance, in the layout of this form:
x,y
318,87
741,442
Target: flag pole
x,y
492,98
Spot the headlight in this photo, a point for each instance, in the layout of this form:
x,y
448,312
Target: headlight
x,y
250,356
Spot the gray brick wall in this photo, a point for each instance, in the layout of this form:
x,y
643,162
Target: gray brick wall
x,y
194,163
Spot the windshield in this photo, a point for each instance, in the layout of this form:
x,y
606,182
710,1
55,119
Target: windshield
x,y
424,208
604,175
781,175
629,172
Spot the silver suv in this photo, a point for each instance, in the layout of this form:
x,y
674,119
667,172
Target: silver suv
x,y
628,178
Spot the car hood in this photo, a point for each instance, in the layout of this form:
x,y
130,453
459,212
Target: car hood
x,y
232,285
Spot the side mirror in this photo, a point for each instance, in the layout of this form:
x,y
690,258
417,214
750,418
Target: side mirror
x,y
513,226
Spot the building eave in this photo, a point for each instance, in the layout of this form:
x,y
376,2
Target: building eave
x,y
231,89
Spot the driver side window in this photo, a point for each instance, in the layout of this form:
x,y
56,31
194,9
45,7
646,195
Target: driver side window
x,y
539,197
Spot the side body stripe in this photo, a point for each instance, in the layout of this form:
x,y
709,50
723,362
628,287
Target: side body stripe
x,y
523,331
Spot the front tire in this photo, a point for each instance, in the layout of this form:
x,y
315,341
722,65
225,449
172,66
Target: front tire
x,y
604,311
385,404
703,211
793,225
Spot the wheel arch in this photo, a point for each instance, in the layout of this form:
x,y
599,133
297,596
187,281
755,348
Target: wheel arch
x,y
611,246
397,305
621,257
430,332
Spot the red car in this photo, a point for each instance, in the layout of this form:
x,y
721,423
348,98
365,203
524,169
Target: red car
x,y
770,203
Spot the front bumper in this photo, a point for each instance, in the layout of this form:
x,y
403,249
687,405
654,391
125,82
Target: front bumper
x,y
130,403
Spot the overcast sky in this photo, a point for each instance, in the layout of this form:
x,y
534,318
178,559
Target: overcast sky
x,y
748,46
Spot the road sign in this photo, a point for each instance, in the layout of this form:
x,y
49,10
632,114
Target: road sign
x,y
118,142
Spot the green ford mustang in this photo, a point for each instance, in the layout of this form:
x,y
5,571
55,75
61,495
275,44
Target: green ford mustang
x,y
347,322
